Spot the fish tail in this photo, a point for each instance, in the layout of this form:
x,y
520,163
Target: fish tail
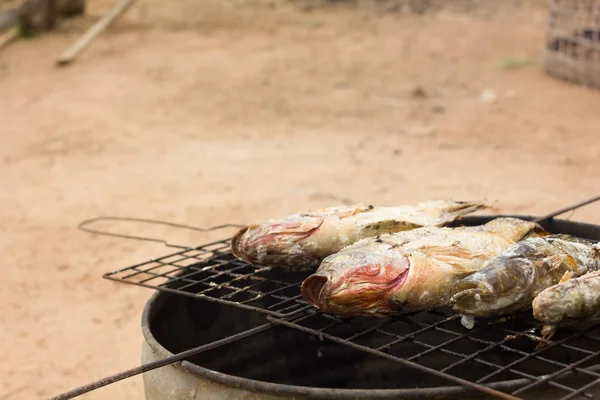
x,y
514,229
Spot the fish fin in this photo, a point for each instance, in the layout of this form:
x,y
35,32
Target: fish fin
x,y
354,209
547,332
461,265
566,276
556,260
455,256
536,232
343,211
391,226
441,212
433,213
513,229
562,261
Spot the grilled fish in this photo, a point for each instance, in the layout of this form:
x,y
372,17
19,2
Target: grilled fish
x,y
408,271
305,239
510,281
576,300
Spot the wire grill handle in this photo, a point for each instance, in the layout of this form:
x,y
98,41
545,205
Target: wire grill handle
x,y
84,227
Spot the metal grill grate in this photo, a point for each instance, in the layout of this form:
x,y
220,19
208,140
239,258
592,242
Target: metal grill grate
x,y
213,273
497,357
495,354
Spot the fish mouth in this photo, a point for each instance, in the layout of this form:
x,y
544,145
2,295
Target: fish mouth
x,y
236,245
468,301
473,299
312,289
466,285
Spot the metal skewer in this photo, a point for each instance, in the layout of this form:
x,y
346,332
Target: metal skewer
x,y
566,209
160,363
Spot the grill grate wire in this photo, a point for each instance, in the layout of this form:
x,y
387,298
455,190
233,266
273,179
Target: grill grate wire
x,y
212,273
424,349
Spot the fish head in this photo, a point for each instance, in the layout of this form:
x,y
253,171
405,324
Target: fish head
x,y
499,288
357,281
551,305
272,241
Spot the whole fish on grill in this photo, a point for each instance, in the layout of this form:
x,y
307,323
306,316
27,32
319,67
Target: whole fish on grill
x,y
408,271
306,238
568,302
510,281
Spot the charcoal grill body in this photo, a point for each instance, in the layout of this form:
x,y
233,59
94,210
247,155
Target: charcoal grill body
x,y
172,323
191,381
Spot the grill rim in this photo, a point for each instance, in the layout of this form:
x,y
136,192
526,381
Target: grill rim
x,y
158,298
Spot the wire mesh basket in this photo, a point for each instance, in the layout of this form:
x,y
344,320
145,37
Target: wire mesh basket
x,y
572,51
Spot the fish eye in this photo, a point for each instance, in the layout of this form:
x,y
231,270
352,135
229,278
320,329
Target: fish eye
x,y
369,270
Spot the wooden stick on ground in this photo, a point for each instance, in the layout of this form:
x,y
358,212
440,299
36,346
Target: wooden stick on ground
x,y
9,18
84,41
7,37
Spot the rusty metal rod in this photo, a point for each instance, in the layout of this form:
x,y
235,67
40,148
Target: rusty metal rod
x,y
160,363
564,210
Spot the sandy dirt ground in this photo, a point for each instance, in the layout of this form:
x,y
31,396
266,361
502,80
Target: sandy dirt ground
x,y
215,112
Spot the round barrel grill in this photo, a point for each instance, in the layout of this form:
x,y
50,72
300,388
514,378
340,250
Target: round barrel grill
x,y
274,345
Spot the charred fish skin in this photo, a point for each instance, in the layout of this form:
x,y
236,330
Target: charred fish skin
x,y
440,268
407,271
306,238
288,241
576,300
510,281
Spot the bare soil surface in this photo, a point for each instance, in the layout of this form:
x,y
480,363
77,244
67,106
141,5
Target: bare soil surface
x,y
231,112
